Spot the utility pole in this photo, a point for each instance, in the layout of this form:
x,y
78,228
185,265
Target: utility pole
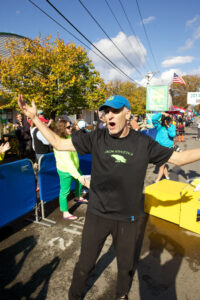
x,y
149,76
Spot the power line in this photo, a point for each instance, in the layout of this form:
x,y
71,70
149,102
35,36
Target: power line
x,y
111,65
114,16
132,29
122,29
89,40
146,34
70,33
127,18
110,38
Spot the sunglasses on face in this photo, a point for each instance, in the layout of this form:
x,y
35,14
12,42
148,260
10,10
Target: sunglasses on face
x,y
68,127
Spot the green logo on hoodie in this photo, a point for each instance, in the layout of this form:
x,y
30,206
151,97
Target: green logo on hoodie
x,y
119,158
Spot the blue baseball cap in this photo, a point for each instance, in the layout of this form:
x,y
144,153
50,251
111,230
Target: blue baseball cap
x,y
116,102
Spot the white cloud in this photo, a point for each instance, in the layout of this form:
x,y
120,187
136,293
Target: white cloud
x,y
148,20
190,42
18,12
188,45
191,22
177,60
130,46
197,33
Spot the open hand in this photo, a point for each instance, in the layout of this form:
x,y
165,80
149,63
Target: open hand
x,y
84,181
29,111
4,147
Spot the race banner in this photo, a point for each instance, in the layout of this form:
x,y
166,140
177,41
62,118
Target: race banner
x,y
157,98
193,98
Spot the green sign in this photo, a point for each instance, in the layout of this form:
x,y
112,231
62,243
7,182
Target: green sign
x,y
157,98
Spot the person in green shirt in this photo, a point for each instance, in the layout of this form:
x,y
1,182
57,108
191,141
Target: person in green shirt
x,y
67,163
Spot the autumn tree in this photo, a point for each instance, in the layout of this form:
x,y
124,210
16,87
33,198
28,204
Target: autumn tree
x,y
138,102
136,95
59,77
179,91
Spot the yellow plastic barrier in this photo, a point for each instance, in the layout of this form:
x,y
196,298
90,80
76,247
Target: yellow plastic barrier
x,y
163,199
173,201
188,215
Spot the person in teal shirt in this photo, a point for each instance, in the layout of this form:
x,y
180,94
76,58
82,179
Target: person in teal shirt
x,y
67,163
165,137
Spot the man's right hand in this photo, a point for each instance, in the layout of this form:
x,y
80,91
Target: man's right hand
x,y
83,180
29,111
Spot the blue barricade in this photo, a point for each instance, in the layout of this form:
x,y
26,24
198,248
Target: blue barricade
x,y
17,189
150,132
48,177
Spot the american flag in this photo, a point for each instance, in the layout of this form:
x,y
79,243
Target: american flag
x,y
178,79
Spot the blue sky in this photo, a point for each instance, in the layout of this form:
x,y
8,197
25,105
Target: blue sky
x,y
172,43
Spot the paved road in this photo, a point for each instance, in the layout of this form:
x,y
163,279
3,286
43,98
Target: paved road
x,y
36,262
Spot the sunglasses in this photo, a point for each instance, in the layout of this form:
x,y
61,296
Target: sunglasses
x,y
68,127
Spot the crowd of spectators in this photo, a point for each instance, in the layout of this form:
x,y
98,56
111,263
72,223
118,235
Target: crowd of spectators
x,y
25,141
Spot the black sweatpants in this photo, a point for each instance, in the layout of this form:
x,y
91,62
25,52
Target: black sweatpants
x,y
95,232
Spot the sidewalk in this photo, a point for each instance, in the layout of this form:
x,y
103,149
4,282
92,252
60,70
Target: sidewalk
x,y
36,262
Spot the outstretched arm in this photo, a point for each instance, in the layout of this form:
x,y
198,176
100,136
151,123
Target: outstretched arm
x,y
57,142
185,157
